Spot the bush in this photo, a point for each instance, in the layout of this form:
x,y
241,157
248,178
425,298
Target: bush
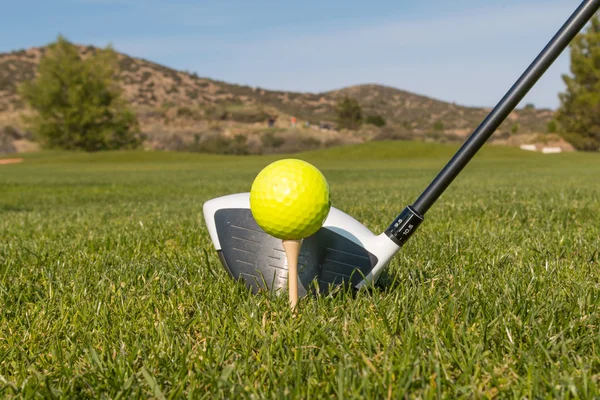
x,y
515,128
552,127
297,142
193,94
376,120
217,113
12,132
247,115
6,143
580,142
333,142
239,145
186,112
349,113
219,144
270,140
146,75
310,142
438,126
77,103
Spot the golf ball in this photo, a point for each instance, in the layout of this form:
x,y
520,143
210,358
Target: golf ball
x,y
289,199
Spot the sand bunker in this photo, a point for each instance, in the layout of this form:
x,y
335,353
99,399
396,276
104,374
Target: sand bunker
x,y
11,161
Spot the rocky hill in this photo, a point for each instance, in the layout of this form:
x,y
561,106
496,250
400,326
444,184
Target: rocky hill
x,y
182,107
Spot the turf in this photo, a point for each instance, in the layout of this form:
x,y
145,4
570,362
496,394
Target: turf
x,y
110,288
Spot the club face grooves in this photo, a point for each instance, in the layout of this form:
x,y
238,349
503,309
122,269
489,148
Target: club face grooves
x,y
327,258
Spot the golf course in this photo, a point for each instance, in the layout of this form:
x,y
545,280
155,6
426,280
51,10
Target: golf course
x,y
110,286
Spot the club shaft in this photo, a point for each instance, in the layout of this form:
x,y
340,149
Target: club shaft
x,y
544,60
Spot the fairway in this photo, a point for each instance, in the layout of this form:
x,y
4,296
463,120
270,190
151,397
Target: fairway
x,y
110,286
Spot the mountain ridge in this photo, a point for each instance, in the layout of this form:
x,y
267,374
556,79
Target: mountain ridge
x,y
169,100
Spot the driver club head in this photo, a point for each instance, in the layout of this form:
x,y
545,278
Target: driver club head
x,y
343,251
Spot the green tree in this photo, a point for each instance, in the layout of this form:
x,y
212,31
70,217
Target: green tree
x,y
349,113
579,113
77,101
515,128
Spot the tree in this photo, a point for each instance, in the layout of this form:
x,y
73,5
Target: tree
x,y
349,113
514,129
77,102
552,126
579,114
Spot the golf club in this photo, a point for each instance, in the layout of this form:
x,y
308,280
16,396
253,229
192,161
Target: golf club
x,y
343,250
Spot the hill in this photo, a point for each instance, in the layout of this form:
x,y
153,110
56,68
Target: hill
x,y
176,108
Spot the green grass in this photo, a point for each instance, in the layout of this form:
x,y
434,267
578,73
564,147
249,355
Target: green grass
x,y
110,288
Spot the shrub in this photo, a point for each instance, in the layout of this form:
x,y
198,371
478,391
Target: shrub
x,y
146,75
270,140
376,120
12,132
186,112
333,142
192,94
217,113
6,144
239,145
552,127
247,115
219,144
349,113
580,142
311,142
297,142
515,128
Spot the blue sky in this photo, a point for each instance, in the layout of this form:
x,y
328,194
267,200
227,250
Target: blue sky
x,y
466,51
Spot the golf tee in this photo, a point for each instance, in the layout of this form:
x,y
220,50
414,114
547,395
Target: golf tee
x,y
292,251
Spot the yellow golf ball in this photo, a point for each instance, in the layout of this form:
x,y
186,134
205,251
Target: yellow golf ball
x,y
289,199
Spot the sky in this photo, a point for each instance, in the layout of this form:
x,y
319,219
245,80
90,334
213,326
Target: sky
x,y
464,51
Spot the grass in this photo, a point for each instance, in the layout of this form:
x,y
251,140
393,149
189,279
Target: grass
x,y
110,288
